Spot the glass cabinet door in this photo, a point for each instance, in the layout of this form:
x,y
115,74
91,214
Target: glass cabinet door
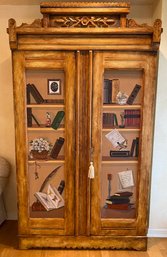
x,y
47,86
120,142
119,129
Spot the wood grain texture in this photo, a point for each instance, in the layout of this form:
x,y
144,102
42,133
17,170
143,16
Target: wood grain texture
x,y
83,48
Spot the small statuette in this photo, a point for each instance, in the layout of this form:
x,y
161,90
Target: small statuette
x,y
121,98
48,120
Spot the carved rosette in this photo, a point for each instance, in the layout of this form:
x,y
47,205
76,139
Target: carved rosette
x,y
84,22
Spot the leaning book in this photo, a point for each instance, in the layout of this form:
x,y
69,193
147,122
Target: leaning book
x,y
50,200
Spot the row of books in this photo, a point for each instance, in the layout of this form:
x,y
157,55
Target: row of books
x,y
32,91
133,152
110,120
131,118
119,201
111,89
55,123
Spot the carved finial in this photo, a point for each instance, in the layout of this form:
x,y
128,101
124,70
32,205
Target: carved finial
x,y
45,21
157,31
12,33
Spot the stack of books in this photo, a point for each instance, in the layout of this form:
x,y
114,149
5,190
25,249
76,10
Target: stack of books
x,y
120,201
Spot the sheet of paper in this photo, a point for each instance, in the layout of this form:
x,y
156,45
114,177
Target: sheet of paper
x,y
126,178
115,138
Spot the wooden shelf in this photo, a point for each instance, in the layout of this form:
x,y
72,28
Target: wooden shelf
x,y
119,160
44,128
60,159
117,106
57,213
118,214
129,129
44,106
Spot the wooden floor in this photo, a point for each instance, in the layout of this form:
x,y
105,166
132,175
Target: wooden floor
x,y
157,247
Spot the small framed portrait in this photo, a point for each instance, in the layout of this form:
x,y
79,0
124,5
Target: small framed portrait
x,y
54,86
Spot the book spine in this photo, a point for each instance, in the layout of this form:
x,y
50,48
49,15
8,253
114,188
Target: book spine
x,y
118,198
57,147
107,91
61,187
29,117
119,153
133,147
108,120
110,91
35,120
115,90
123,206
35,93
57,120
118,201
28,86
137,147
133,94
124,193
115,120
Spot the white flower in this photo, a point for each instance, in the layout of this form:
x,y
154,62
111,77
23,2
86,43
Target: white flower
x,y
39,144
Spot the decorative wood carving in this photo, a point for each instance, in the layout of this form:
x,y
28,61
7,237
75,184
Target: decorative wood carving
x,y
12,33
84,21
35,24
157,31
133,24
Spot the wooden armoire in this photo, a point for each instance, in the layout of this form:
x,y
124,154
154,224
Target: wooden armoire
x,y
84,82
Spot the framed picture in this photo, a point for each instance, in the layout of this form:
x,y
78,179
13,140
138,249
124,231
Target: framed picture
x,y
54,86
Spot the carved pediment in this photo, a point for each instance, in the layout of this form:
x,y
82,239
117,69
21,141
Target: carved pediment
x,y
84,22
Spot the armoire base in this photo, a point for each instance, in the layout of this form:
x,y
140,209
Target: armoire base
x,y
93,242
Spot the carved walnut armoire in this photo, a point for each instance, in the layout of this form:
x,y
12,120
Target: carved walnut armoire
x,y
84,81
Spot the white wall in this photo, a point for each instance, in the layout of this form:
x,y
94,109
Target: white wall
x,y
158,209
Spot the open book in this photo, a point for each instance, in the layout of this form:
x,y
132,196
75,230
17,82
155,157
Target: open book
x,y
51,200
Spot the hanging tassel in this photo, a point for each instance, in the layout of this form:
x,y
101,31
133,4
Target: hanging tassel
x,y
91,173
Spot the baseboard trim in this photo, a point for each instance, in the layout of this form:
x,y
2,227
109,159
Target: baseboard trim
x,y
157,233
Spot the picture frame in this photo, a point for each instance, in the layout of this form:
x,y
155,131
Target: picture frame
x,y
54,87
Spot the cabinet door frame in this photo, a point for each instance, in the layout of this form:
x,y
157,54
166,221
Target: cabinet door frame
x,y
23,60
122,60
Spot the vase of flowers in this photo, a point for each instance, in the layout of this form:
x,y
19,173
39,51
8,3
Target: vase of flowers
x,y
39,148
